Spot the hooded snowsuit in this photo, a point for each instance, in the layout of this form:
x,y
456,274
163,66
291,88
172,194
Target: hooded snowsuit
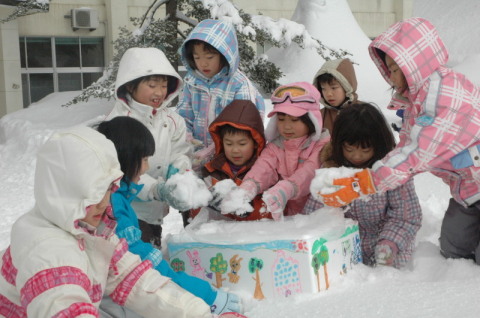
x,y
290,163
167,127
342,70
440,132
240,114
59,266
442,121
204,98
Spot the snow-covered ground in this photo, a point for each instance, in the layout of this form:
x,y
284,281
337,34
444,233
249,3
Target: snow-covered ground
x,y
430,287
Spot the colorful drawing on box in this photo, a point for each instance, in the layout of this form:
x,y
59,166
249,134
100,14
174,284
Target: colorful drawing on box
x,y
300,246
218,266
233,276
320,258
356,256
196,264
286,275
255,265
347,250
177,265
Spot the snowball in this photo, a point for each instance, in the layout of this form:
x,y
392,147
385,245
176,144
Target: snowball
x,y
189,188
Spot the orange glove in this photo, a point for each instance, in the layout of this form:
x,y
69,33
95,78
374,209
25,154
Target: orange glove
x,y
360,184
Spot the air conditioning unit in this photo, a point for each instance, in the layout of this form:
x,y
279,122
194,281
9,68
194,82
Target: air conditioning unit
x,y
84,18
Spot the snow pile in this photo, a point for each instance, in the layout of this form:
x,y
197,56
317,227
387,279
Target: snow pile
x,y
327,222
188,188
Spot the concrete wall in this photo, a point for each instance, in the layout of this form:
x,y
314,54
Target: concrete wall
x,y
10,78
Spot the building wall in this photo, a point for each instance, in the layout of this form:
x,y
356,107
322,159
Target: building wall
x,y
374,16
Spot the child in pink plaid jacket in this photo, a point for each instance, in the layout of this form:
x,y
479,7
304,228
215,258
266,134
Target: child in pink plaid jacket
x,y
388,221
440,133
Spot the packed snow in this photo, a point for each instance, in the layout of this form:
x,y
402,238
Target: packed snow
x,y
430,286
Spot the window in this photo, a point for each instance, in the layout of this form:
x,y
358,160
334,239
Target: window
x,y
59,64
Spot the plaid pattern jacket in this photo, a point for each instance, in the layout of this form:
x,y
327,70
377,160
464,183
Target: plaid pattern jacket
x,y
394,216
442,118
203,99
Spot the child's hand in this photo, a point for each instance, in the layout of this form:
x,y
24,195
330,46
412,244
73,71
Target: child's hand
x,y
384,254
238,200
201,157
276,198
352,187
226,302
184,191
167,194
219,191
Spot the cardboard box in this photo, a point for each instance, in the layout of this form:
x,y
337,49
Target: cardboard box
x,y
265,258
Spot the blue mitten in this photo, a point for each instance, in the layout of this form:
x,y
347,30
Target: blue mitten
x,y
166,194
226,302
171,171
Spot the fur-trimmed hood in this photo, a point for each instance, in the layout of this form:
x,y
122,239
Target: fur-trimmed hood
x,y
344,73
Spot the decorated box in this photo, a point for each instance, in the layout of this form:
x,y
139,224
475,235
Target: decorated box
x,y
264,259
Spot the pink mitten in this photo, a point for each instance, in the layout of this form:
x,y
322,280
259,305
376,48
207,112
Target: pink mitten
x,y
276,198
201,157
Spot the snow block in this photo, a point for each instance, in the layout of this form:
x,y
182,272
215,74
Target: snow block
x,y
265,259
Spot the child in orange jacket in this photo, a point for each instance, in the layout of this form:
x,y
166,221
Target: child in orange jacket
x,y
238,135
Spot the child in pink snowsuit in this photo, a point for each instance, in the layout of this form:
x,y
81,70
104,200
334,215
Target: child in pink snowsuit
x,y
287,164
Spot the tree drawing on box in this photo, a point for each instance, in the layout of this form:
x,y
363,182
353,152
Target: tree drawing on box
x,y
320,258
177,265
286,275
219,266
254,266
233,276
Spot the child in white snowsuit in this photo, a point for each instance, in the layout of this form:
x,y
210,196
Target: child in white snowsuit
x,y
64,254
145,86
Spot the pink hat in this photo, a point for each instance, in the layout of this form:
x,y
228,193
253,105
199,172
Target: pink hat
x,y
295,99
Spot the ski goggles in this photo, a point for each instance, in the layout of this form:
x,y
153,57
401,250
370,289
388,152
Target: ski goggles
x,y
296,94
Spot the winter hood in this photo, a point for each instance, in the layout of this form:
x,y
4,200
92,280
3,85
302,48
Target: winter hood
x,y
415,46
143,61
74,169
344,73
241,114
219,34
297,107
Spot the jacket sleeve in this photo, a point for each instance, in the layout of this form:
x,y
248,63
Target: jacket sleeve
x,y
305,173
264,173
56,284
185,109
404,216
128,229
135,285
182,150
442,128
248,91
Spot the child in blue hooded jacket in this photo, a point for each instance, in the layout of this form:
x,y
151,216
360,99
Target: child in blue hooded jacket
x,y
211,56
135,144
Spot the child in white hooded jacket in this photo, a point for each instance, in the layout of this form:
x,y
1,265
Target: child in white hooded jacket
x,y
64,254
146,85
